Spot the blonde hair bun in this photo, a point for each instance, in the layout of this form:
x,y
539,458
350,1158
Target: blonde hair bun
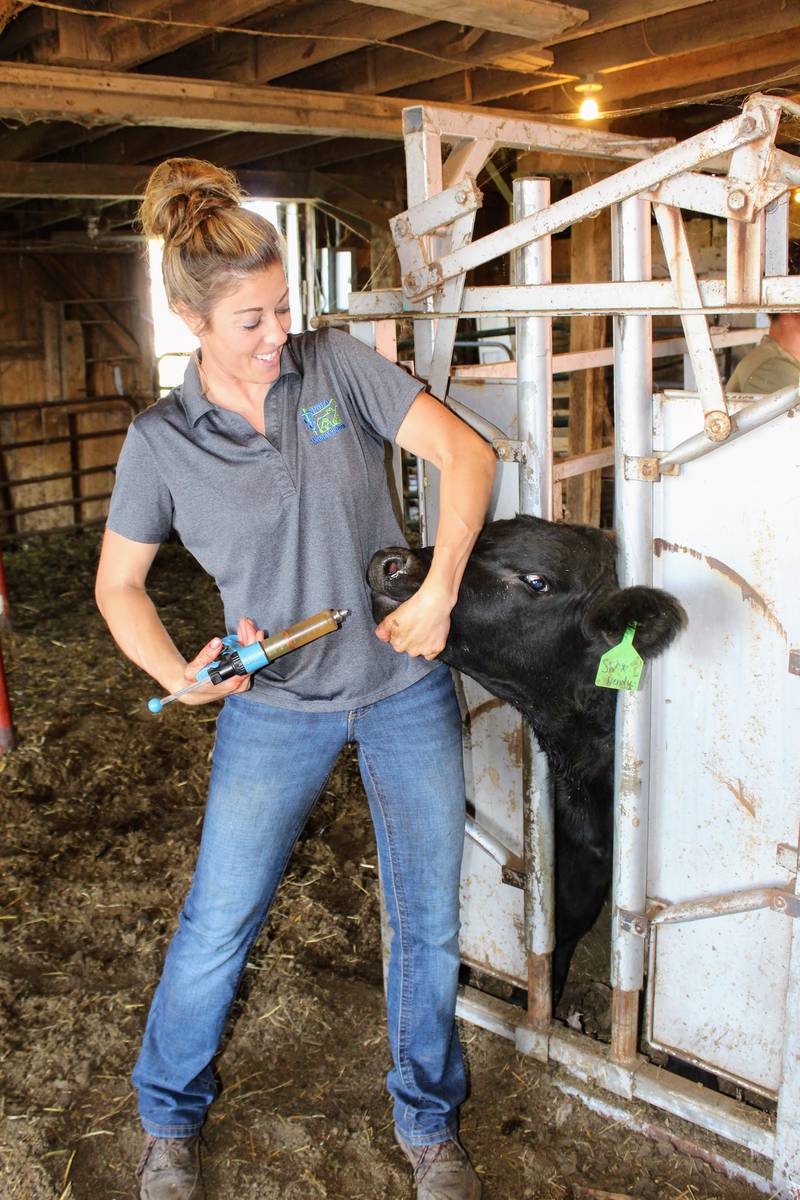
x,y
211,242
181,194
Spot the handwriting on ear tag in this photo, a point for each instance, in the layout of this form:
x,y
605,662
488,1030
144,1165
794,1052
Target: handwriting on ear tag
x,y
621,666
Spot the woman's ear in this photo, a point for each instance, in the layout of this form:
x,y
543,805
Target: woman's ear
x,y
657,615
192,320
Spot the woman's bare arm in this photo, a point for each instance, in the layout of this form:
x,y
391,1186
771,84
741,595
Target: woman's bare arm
x,y
467,465
138,630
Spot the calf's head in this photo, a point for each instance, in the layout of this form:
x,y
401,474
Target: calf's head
x,y
538,605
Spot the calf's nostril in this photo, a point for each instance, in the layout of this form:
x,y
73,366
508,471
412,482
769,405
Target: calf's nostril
x,y
393,566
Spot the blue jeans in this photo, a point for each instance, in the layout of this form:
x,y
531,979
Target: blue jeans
x,y
269,767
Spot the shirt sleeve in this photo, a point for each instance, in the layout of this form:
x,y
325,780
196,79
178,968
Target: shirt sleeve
x,y
379,391
141,505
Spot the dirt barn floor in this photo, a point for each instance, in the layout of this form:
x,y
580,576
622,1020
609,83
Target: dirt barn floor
x,y
101,812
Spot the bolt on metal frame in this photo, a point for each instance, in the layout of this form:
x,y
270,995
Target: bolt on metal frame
x,y
733,171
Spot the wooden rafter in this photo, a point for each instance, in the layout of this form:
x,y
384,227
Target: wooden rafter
x,y
260,60
740,64
537,20
613,14
48,93
381,69
92,41
718,23
115,98
355,194
59,180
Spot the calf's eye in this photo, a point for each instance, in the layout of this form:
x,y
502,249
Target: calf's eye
x,y
536,583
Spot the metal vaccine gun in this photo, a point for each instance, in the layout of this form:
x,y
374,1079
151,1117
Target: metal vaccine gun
x,y
244,660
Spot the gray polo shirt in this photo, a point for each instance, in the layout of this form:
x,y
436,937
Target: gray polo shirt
x,y
287,523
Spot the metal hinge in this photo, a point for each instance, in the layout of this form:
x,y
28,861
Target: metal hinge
x,y
632,922
777,899
647,470
509,450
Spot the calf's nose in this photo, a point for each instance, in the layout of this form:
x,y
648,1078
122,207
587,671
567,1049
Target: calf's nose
x,y
387,565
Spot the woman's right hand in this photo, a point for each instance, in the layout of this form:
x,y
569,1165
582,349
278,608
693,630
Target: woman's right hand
x,y
247,633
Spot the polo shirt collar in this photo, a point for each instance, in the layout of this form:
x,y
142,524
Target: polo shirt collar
x,y
193,399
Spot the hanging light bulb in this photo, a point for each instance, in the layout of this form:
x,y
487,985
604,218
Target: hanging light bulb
x,y
589,108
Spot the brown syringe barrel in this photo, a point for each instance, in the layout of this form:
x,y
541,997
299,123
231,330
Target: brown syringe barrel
x,y
302,633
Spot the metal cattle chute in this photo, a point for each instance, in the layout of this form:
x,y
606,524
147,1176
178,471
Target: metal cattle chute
x,y
705,896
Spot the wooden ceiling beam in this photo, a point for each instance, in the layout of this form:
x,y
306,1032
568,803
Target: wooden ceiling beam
x,y
94,41
734,86
235,148
333,152
612,14
143,144
259,60
539,21
718,23
31,92
718,27
34,92
480,85
75,181
686,75
42,138
379,69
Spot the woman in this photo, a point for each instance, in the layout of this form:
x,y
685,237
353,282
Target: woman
x,y
285,509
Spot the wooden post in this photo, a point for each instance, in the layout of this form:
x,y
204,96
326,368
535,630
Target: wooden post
x,y
588,407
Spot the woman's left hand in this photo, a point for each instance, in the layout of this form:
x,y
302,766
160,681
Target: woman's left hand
x,y
418,627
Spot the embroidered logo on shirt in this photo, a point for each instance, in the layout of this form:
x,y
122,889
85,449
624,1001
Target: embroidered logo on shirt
x,y
323,420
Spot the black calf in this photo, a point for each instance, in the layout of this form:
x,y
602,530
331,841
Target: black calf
x,y
538,606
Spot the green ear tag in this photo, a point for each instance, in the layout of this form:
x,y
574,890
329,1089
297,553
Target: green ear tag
x,y
621,666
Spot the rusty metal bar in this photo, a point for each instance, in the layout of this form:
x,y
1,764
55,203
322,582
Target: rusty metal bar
x,y
61,438
786,1165
69,501
132,403
56,475
724,904
502,854
633,403
27,534
423,158
716,418
586,1059
535,431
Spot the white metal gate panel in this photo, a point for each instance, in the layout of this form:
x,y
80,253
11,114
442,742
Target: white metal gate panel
x,y
725,783
492,926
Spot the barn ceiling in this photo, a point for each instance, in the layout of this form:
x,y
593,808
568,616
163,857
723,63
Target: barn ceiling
x,y
303,97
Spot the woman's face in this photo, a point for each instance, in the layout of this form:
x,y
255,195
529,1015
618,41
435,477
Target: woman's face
x,y
247,329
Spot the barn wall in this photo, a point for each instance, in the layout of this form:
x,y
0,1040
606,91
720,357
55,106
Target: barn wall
x,y
57,343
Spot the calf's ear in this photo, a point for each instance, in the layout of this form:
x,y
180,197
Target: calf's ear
x,y
657,615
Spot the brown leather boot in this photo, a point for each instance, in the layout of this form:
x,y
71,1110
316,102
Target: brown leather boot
x,y
442,1171
169,1169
